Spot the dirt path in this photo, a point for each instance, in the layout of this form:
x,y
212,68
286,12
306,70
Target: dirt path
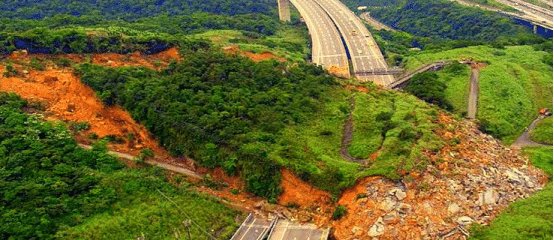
x,y
158,163
525,139
473,93
347,135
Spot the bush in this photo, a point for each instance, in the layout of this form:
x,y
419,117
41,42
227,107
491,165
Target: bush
x,y
79,126
429,88
10,71
340,211
37,64
145,154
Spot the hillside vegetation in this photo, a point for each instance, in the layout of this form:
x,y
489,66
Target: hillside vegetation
x,y
514,85
444,19
288,42
543,132
52,188
130,9
254,118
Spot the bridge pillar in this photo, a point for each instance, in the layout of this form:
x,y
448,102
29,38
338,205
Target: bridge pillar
x,y
535,27
284,10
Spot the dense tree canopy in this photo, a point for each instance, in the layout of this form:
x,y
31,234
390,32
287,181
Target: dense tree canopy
x,y
49,185
221,110
130,9
447,20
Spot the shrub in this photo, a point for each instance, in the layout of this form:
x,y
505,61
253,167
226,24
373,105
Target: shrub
x,y
340,211
37,64
79,126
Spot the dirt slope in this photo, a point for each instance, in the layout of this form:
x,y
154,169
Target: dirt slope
x,y
256,57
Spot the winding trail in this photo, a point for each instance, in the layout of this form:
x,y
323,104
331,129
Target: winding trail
x,y
525,139
169,167
473,98
347,136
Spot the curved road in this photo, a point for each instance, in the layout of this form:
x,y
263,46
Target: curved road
x,y
327,48
330,22
368,62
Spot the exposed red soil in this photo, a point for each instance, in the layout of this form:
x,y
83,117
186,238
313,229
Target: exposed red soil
x,y
357,88
256,57
67,99
153,61
296,191
342,72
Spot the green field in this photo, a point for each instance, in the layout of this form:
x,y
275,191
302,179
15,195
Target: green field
x,y
529,218
543,132
516,83
52,188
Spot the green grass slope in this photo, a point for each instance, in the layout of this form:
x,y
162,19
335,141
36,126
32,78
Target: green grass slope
x,y
529,218
516,83
52,188
396,127
543,132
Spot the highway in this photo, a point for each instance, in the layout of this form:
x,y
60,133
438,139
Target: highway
x,y
286,230
327,47
528,12
368,62
252,229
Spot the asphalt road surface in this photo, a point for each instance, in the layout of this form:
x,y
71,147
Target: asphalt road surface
x,y
367,59
252,229
473,94
286,230
327,47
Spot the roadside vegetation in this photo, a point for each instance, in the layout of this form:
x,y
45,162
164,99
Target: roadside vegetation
x,y
529,218
52,188
514,85
494,4
543,132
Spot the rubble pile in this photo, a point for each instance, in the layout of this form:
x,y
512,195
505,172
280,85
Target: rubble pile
x,y
469,181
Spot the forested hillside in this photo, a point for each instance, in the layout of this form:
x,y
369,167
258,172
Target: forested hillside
x,y
116,26
444,19
130,9
53,188
220,110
